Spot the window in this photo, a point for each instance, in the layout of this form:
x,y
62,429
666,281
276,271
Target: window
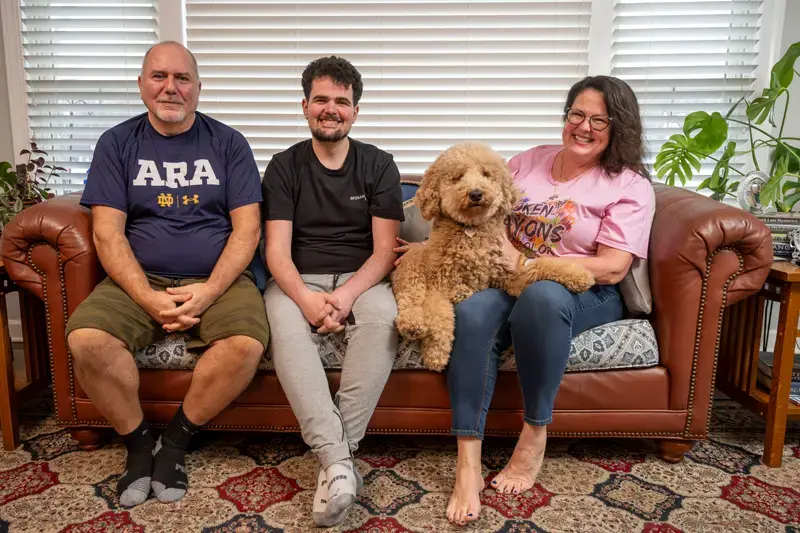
x,y
682,56
435,72
82,59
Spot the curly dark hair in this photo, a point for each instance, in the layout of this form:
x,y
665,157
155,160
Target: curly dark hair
x,y
626,145
340,70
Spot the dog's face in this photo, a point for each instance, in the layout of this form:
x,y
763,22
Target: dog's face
x,y
468,183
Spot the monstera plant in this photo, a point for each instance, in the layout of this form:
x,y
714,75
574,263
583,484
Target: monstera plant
x,y
704,134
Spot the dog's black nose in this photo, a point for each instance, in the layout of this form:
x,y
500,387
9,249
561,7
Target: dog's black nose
x,y
476,195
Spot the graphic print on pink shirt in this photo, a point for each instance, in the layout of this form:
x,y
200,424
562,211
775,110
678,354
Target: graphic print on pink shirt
x,y
536,228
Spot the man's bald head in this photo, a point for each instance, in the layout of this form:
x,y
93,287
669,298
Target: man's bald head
x,y
171,43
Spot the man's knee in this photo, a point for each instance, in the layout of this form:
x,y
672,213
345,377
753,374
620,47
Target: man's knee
x,y
92,345
376,307
244,349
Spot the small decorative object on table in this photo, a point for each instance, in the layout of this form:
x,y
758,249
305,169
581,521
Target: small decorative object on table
x,y
794,244
748,192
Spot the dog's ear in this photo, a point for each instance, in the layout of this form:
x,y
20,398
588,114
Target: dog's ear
x,y
427,197
511,193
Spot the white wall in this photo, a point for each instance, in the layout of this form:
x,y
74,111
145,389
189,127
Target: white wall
x,y
791,34
7,154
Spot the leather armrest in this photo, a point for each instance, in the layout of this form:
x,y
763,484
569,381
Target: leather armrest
x,y
704,256
53,239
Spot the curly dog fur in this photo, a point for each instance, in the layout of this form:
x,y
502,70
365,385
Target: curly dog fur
x,y
468,192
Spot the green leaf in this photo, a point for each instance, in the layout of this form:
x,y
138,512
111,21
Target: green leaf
x,y
789,185
783,71
769,191
712,130
762,107
722,168
675,160
718,196
791,200
794,160
704,184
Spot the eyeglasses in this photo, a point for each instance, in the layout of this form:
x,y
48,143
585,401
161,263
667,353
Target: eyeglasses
x,y
596,122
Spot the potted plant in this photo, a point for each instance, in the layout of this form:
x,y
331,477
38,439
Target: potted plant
x,y
704,134
26,184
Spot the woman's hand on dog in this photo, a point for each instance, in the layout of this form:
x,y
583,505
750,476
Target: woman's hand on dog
x,y
403,247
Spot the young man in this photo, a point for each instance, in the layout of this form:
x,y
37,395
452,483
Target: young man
x,y
175,205
332,211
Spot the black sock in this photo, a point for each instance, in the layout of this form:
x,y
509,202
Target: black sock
x,y
169,474
134,485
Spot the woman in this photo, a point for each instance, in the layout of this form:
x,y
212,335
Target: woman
x,y
589,201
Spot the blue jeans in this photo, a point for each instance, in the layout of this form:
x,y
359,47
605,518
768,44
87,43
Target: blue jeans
x,y
541,323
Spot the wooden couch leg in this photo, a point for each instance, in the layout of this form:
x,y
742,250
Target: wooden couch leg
x,y
88,439
672,451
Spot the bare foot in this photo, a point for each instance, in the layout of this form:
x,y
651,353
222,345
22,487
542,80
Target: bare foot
x,y
523,468
465,503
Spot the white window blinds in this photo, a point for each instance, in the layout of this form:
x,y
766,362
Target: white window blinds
x,y
435,72
682,56
82,58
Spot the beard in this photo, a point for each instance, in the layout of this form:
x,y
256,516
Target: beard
x,y
178,115
327,136
169,113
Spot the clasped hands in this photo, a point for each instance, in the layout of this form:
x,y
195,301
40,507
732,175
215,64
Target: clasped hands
x,y
327,311
179,308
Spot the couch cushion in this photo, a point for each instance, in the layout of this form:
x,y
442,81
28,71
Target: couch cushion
x,y
623,344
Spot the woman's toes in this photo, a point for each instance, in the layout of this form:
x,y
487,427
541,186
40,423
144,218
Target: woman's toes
x,y
498,480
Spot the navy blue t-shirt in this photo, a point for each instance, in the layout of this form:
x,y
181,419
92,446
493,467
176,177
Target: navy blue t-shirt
x,y
178,191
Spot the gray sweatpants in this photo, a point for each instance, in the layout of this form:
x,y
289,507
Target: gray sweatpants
x,y
333,427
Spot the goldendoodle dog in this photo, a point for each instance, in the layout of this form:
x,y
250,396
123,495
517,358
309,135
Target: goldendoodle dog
x,y
468,192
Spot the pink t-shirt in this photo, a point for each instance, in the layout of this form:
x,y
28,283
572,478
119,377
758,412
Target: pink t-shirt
x,y
570,219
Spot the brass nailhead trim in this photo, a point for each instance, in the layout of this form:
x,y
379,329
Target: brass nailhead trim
x,y
48,321
394,431
696,353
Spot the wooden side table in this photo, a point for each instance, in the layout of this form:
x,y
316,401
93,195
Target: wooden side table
x,y
13,391
739,351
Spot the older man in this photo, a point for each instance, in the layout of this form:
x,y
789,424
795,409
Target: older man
x,y
175,200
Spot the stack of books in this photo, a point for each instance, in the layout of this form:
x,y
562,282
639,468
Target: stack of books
x,y
765,360
780,224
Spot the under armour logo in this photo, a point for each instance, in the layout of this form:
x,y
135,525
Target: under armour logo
x,y
180,467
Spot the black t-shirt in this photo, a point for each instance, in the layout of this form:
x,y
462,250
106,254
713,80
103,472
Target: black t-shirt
x,y
331,210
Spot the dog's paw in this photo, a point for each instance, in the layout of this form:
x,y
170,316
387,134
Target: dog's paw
x,y
576,278
410,325
434,362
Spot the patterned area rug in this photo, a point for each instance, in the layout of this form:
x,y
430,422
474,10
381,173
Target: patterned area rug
x,y
263,482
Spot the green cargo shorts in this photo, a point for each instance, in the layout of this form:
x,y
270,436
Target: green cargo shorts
x,y
239,311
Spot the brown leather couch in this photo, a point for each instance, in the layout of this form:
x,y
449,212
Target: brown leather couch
x,y
704,256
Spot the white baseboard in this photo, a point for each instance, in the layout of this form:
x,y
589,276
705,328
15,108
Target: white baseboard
x,y
15,329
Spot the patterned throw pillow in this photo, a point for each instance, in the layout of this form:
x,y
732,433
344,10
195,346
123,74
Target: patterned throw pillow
x,y
414,228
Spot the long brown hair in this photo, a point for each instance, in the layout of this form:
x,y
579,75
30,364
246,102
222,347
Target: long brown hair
x,y
626,145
